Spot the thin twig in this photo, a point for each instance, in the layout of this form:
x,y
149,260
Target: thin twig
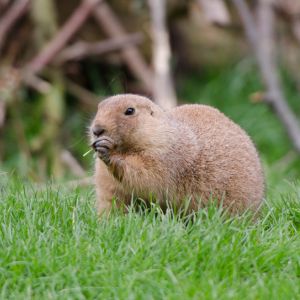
x,y
16,11
262,43
82,50
29,79
88,98
2,112
285,161
164,91
109,22
9,84
63,36
248,22
70,161
215,11
296,29
36,82
3,3
291,9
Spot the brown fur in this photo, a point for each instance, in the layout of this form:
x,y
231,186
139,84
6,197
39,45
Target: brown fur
x,y
191,151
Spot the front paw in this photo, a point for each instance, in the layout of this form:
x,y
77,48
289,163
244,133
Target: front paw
x,y
103,146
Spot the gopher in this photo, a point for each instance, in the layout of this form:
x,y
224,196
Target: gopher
x,y
191,152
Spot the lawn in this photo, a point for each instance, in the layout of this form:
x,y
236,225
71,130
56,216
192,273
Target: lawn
x,y
53,246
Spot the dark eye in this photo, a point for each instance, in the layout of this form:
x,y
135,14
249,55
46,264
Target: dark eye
x,y
129,111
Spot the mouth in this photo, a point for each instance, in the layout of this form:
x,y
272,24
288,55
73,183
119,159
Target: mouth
x,y
102,143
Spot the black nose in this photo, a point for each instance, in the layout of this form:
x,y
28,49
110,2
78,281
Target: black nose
x,y
98,130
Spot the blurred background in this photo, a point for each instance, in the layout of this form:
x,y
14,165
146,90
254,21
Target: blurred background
x,y
58,59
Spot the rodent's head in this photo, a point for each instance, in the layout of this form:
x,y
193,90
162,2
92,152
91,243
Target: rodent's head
x,y
133,122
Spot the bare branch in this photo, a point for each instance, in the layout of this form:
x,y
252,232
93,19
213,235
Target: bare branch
x,y
262,43
215,11
164,92
292,9
2,112
36,83
108,21
13,79
3,3
16,11
70,161
63,36
248,22
296,28
9,83
88,98
83,49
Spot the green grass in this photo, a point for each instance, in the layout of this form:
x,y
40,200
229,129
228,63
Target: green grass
x,y
53,246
